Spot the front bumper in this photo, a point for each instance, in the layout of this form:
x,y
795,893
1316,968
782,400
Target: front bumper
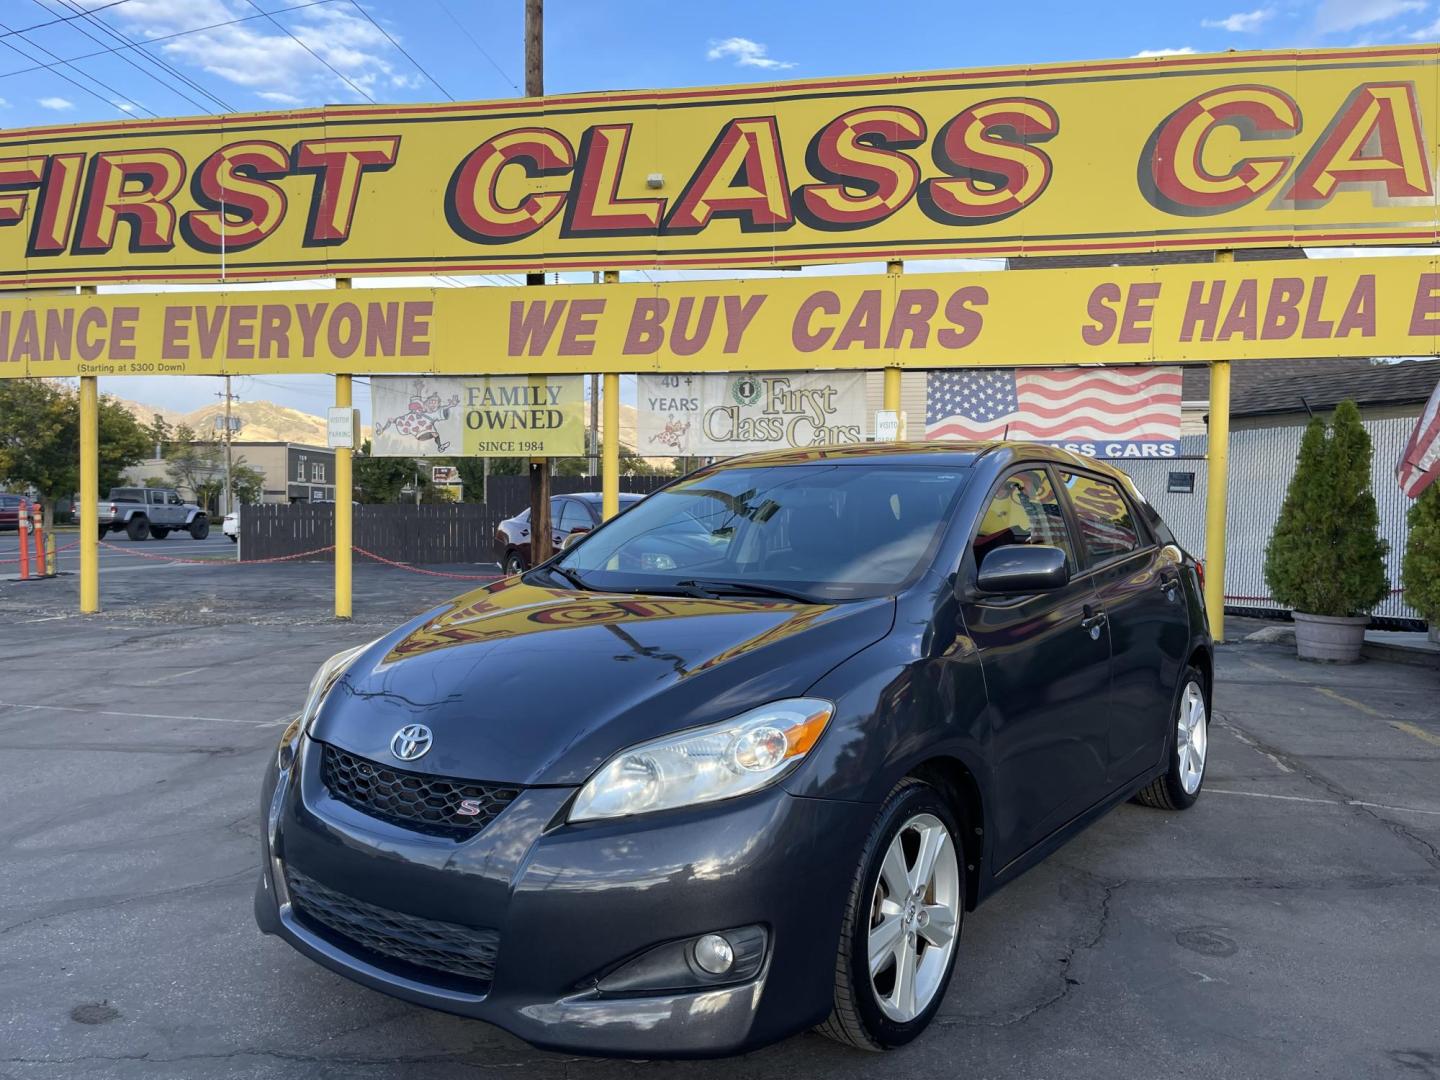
x,y
571,902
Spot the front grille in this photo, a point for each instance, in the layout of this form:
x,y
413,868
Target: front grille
x,y
427,804
464,951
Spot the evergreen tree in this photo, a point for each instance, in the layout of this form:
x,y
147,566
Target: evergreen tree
x,y
1326,556
1420,571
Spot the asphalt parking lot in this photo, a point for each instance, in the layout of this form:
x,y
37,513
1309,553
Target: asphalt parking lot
x,y
1288,926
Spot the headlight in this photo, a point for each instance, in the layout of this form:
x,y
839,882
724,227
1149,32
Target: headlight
x,y
702,765
328,675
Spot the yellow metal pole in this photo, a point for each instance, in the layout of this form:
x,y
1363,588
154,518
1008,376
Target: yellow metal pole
x,y
344,495
610,448
1217,487
89,494
891,400
344,487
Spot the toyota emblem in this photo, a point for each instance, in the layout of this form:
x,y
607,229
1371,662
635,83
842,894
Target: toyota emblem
x,y
411,742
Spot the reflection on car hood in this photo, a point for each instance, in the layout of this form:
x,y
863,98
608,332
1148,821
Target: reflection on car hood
x,y
529,685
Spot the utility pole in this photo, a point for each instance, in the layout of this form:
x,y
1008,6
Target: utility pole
x,y
539,466
229,503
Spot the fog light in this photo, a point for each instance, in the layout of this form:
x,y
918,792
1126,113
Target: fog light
x,y
714,955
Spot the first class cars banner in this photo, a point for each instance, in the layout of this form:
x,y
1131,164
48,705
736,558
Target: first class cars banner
x,y
729,413
1002,318
1153,154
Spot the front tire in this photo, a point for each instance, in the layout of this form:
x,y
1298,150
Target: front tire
x,y
902,922
512,564
200,528
1189,739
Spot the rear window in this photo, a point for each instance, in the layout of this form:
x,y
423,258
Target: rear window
x,y
128,494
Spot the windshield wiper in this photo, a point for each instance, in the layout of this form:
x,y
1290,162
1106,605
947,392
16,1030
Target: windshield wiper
x,y
705,586
569,575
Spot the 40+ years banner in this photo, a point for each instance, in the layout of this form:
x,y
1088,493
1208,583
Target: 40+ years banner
x,y
738,412
1145,154
478,416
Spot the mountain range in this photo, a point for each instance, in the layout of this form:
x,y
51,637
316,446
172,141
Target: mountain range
x,y
265,421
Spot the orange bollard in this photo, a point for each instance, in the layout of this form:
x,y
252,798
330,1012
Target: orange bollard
x,y
23,524
37,529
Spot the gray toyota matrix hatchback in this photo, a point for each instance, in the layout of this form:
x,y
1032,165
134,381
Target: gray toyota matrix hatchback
x,y
737,762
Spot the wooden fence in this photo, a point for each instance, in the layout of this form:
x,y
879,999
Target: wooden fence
x,y
404,532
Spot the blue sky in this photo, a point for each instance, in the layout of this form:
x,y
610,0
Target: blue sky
x,y
424,50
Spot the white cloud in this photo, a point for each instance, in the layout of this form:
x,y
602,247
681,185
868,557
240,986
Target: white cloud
x,y
1428,33
55,104
260,56
1242,22
1337,16
746,53
1184,50
126,106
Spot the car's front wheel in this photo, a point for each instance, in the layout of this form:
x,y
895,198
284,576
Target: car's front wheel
x,y
512,564
902,922
1189,738
199,528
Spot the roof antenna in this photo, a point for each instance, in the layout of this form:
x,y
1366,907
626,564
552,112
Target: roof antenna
x,y
1005,434
1308,411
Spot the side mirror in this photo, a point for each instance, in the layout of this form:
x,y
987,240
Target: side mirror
x,y
571,537
1018,569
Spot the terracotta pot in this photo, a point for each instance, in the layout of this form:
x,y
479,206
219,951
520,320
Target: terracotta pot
x,y
1329,637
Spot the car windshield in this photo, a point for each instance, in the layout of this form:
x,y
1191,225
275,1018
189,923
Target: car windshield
x,y
818,531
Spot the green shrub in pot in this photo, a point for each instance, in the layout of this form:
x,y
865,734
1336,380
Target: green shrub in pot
x,y
1420,572
1326,559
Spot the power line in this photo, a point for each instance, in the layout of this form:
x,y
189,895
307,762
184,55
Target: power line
x,y
143,45
286,30
67,18
127,59
418,66
159,62
446,8
79,86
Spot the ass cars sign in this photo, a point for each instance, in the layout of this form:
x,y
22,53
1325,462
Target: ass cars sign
x,y
1233,150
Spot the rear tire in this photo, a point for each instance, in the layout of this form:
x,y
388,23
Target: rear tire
x,y
200,528
138,528
1188,737
900,916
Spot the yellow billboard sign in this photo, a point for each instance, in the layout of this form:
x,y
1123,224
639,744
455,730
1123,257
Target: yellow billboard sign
x,y
1003,318
1233,150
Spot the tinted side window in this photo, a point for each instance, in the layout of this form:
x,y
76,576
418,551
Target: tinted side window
x,y
573,516
1106,527
1024,510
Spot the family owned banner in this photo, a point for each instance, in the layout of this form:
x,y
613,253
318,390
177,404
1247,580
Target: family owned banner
x,y
478,416
740,412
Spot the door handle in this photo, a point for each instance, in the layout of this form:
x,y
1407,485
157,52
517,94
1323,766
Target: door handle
x,y
1093,620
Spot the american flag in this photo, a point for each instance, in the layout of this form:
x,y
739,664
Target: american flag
x,y
1420,463
1136,403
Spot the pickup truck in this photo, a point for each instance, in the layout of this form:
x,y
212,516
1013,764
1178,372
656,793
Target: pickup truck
x,y
145,512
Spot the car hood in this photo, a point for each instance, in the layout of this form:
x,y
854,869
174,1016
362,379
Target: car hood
x,y
527,685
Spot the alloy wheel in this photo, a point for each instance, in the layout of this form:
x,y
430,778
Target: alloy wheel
x,y
1191,737
914,917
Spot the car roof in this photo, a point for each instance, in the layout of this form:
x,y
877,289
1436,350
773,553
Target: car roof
x,y
941,452
595,496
